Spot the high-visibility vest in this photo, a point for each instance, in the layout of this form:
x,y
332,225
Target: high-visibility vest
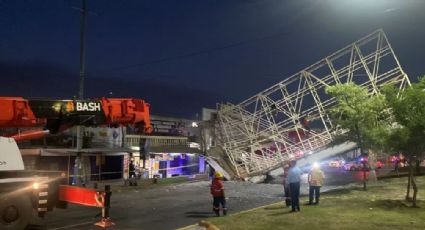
x,y
217,188
316,177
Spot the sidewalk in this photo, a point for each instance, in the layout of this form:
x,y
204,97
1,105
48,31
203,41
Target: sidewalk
x,y
118,184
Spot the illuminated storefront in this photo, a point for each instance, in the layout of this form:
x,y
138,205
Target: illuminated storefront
x,y
166,165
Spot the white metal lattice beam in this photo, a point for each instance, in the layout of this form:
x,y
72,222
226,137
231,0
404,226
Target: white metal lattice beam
x,y
263,131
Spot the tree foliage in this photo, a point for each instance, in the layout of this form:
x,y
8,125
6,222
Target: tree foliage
x,y
408,135
364,117
360,117
392,120
408,108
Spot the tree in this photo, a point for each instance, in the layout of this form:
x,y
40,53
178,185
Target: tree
x,y
362,117
408,108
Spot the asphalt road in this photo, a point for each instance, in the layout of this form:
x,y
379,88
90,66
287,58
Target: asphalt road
x,y
174,206
165,207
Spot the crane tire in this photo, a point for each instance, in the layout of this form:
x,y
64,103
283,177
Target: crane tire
x,y
15,211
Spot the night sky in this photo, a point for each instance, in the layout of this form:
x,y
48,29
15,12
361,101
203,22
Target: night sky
x,y
181,55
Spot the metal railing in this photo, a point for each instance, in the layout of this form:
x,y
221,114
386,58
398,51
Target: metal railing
x,y
156,141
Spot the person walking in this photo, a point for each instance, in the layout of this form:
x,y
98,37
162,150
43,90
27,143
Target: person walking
x,y
315,180
217,191
294,179
285,183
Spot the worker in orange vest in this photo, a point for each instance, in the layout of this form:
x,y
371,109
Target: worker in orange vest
x,y
217,191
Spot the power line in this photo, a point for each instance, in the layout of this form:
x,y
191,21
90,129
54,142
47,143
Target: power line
x,y
196,53
301,15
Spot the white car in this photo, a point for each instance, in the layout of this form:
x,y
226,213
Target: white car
x,y
353,166
336,163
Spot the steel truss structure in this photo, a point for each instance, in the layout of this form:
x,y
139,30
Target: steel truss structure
x,y
290,118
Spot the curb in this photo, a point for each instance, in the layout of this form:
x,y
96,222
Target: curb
x,y
208,225
188,227
202,224
252,209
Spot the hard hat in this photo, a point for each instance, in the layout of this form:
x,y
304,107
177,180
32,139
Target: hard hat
x,y
218,175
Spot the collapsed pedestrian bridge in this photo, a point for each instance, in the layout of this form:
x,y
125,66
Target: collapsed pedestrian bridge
x,y
290,119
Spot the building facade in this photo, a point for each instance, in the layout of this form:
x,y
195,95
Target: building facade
x,y
172,149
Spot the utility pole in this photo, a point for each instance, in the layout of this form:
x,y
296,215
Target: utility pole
x,y
82,68
79,163
82,49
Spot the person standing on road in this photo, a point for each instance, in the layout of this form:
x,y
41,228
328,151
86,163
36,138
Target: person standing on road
x,y
132,174
315,180
294,179
287,194
217,191
132,169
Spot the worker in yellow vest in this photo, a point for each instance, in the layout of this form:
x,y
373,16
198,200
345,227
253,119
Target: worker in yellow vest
x,y
315,180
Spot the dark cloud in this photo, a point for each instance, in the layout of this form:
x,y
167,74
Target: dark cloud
x,y
35,78
187,54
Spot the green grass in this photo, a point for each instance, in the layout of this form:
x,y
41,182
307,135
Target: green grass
x,y
381,207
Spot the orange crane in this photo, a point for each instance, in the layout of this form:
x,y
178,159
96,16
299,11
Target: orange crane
x,y
57,115
20,190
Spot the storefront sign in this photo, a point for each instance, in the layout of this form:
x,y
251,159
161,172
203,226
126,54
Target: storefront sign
x,y
169,127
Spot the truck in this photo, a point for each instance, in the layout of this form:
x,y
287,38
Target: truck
x,y
21,190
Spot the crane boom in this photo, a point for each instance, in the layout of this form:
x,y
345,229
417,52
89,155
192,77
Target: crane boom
x,y
55,116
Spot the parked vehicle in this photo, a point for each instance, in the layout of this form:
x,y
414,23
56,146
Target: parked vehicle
x,y
379,164
336,163
362,162
353,166
399,161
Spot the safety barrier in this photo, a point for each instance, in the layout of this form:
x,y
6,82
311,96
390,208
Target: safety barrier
x,y
153,171
106,221
89,197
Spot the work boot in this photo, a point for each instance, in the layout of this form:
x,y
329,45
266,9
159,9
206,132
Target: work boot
x,y
217,212
224,212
